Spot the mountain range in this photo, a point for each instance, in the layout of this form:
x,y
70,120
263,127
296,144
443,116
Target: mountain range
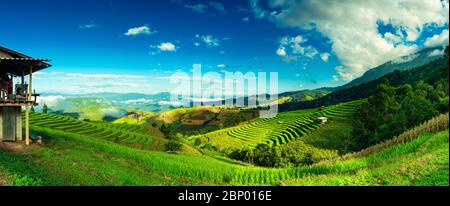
x,y
98,105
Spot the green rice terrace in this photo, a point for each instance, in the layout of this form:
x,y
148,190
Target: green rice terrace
x,y
75,159
87,153
137,136
283,128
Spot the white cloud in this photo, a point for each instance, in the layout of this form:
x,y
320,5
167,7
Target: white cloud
x,y
54,73
393,38
292,48
438,39
199,8
142,30
114,112
208,40
436,52
222,66
352,28
173,103
110,84
102,76
311,52
405,59
50,101
342,74
281,52
325,56
202,8
257,10
139,101
167,46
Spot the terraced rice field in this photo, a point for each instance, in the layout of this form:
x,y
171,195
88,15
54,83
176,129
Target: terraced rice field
x,y
132,135
285,126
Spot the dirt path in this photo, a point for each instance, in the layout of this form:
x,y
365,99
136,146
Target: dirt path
x,y
16,147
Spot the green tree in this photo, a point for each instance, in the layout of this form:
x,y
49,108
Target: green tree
x,y
415,109
392,110
173,146
45,109
266,156
32,109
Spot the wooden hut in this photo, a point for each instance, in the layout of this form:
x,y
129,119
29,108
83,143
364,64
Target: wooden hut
x,y
14,97
322,120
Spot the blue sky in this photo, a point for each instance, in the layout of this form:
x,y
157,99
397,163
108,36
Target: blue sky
x,y
133,46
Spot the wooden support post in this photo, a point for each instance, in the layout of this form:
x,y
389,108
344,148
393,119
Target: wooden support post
x,y
31,83
27,125
22,82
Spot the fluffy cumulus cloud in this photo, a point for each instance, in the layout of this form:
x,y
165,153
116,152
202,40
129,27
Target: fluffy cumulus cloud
x,y
352,26
167,46
438,39
294,48
141,30
163,47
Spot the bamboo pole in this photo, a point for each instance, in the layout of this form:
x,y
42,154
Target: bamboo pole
x,y
27,125
31,83
27,111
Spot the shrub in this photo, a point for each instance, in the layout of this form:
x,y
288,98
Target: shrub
x,y
298,153
436,124
173,146
18,180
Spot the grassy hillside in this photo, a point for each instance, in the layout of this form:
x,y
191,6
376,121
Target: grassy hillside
x,y
430,73
423,161
72,159
136,136
135,117
283,128
199,120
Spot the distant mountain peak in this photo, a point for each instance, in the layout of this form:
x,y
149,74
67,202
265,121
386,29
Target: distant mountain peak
x,y
405,59
401,63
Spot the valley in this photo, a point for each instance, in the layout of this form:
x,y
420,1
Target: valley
x,y
391,130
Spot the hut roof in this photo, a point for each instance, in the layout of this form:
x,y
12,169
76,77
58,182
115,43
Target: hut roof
x,y
17,63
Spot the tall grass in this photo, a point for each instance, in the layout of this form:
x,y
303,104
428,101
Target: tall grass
x,y
208,170
434,125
